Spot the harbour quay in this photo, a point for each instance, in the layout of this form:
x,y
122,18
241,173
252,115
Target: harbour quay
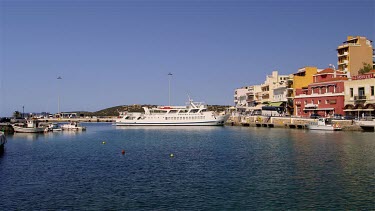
x,y
92,119
287,122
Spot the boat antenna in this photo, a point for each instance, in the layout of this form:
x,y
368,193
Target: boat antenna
x,y
169,88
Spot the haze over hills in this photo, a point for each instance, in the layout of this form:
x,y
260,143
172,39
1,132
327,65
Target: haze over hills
x,y
114,111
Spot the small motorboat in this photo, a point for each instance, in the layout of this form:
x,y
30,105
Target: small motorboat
x,y
324,124
75,126
54,127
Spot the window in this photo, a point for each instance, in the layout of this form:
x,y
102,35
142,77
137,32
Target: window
x,y
372,90
319,101
361,91
351,92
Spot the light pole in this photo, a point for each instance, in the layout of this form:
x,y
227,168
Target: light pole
x,y
58,96
169,88
23,111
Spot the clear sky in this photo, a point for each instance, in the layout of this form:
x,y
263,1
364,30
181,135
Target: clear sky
x,y
112,52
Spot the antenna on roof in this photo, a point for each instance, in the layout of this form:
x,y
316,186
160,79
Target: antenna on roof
x,y
334,69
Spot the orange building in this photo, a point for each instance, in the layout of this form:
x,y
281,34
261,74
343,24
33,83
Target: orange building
x,y
353,53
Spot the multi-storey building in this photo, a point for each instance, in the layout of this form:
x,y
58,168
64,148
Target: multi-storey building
x,y
360,95
325,96
272,82
353,53
299,80
240,96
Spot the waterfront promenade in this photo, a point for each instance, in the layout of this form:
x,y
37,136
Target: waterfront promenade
x,y
287,122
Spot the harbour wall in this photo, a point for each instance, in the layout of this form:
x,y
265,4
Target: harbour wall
x,y
286,122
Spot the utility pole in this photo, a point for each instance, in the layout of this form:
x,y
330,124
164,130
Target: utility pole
x,y
58,96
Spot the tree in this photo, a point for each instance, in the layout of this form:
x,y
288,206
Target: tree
x,y
16,114
365,69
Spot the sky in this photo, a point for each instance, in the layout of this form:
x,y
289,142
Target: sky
x,y
112,52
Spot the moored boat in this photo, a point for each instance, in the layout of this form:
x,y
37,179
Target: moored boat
x,y
324,124
75,126
3,140
54,127
193,114
367,125
31,126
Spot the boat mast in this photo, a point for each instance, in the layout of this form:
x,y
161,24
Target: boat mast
x,y
169,88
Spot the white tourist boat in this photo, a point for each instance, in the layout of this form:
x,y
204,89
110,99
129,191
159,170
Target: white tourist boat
x,y
193,114
75,126
324,124
31,126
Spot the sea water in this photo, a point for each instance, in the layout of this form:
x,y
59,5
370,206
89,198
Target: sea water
x,y
188,168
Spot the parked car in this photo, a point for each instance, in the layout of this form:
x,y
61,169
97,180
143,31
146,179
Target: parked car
x,y
315,116
349,117
337,117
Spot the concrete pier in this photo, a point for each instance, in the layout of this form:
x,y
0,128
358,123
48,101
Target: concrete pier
x,y
287,122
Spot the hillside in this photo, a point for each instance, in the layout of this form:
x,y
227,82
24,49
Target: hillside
x,y
114,111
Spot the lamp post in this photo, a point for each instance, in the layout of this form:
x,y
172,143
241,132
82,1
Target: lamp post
x,y
169,88
58,96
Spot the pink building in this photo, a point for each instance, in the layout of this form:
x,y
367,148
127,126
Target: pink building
x,y
325,96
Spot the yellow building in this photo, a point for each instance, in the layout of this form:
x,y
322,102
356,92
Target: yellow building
x,y
360,95
353,53
301,80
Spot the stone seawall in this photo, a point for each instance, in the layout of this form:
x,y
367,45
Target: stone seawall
x,y
288,122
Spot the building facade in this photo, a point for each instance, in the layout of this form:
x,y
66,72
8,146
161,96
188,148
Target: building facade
x,y
240,96
325,96
360,96
353,53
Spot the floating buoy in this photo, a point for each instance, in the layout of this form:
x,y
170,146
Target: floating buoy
x,y
171,155
103,142
123,152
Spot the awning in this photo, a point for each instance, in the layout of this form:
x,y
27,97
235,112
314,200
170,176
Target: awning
x,y
275,104
318,109
359,109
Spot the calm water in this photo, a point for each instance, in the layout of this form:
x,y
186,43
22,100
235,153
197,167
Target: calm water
x,y
213,168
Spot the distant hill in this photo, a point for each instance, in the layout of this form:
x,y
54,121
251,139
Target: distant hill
x,y
114,111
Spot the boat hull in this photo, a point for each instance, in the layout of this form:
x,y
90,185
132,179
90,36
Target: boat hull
x,y
28,130
219,121
323,127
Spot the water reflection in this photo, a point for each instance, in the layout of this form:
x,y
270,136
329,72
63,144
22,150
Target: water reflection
x,y
176,128
28,136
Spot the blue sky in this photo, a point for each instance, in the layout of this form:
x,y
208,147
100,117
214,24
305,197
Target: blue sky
x,y
113,53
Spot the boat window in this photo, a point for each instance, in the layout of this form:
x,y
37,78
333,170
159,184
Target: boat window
x,y
183,111
194,110
172,111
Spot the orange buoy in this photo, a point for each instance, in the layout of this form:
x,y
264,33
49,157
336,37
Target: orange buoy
x,y
123,152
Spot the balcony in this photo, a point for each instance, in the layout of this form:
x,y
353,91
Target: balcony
x,y
311,105
360,98
343,54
